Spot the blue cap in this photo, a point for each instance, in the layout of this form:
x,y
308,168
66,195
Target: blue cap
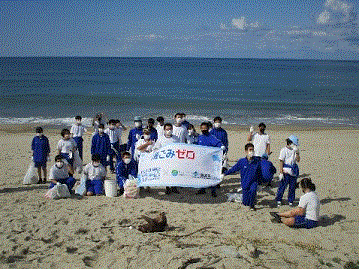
x,y
137,118
294,139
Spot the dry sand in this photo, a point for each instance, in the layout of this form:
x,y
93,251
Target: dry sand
x,y
204,232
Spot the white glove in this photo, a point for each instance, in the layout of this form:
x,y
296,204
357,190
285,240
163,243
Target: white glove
x,y
251,129
281,176
221,177
223,147
71,154
108,158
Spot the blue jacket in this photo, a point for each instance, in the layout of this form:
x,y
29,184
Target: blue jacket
x,y
132,138
41,148
101,145
153,134
209,140
250,171
124,170
221,135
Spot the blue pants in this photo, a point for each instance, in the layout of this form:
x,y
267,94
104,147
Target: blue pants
x,y
249,195
303,222
67,157
79,140
121,182
114,154
40,164
95,186
70,182
287,180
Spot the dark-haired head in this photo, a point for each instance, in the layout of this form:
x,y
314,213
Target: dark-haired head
x,y
39,130
96,158
248,146
65,132
306,183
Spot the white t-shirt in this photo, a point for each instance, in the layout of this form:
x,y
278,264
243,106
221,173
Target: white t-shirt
x,y
77,130
92,172
138,144
260,143
160,130
288,157
181,132
59,173
310,202
114,135
66,146
163,141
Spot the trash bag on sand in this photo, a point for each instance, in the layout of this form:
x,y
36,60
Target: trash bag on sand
x,y
130,188
31,175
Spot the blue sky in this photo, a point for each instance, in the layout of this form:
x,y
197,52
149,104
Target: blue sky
x,y
309,29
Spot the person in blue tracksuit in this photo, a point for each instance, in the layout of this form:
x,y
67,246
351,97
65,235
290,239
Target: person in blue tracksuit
x,y
251,175
219,132
288,169
77,131
134,135
125,167
152,129
101,145
206,139
41,149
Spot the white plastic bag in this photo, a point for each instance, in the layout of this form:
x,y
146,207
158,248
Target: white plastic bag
x,y
77,162
31,175
130,188
81,188
58,191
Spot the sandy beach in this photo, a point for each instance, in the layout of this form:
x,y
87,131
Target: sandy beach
x,y
204,232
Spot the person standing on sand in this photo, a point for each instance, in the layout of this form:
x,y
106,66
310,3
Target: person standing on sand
x,y
288,169
77,131
306,215
145,144
260,140
179,130
101,145
164,140
152,129
251,175
219,132
134,135
66,147
206,139
159,127
41,150
114,134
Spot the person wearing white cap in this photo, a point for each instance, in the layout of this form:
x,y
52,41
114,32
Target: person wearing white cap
x,y
288,169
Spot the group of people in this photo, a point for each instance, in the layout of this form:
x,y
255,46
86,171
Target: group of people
x,y
107,149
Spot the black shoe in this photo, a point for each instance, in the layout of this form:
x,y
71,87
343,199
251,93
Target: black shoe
x,y
174,190
168,190
44,181
253,208
121,191
201,191
40,181
276,217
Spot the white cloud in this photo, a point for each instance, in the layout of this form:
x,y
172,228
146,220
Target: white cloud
x,y
239,23
324,17
242,23
223,26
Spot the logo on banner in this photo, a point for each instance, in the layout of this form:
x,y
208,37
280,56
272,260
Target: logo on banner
x,y
174,173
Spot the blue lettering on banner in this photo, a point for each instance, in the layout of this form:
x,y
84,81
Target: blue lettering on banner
x,y
216,158
163,154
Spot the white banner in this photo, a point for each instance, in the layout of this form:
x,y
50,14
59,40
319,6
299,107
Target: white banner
x,y
182,165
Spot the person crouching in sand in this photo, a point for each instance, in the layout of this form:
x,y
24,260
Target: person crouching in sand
x,y
307,213
95,174
60,173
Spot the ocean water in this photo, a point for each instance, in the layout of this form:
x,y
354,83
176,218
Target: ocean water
x,y
242,91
